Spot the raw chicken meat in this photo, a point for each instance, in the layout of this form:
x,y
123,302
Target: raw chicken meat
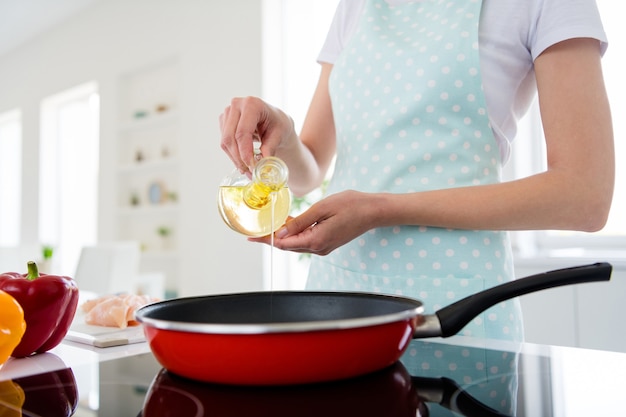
x,y
115,310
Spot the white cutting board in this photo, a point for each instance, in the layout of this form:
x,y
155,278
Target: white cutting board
x,y
101,336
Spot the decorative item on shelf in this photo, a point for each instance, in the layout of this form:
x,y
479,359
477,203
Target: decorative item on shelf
x,y
172,196
162,108
139,156
135,200
164,233
156,193
140,114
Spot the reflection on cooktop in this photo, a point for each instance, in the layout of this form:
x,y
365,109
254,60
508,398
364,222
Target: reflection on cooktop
x,y
115,388
432,379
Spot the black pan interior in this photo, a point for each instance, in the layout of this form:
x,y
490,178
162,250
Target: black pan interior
x,y
278,307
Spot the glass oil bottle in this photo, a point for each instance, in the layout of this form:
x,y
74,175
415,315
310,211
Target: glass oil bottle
x,y
256,207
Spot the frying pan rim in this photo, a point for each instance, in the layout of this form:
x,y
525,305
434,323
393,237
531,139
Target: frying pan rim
x,y
290,327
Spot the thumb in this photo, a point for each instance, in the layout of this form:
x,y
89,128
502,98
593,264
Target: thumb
x,y
294,226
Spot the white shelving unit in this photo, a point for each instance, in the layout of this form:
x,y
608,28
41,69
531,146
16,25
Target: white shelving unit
x,y
148,167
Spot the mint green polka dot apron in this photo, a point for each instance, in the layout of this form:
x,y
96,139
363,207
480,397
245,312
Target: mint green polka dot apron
x,y
410,116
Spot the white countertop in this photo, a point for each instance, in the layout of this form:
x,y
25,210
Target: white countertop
x,y
67,355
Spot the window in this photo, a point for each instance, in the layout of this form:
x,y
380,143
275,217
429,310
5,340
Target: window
x,y
293,35
68,192
10,177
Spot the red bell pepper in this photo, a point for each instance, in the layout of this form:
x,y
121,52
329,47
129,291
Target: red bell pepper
x,y
49,303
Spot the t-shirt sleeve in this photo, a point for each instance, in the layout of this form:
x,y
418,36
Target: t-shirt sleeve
x,y
559,20
341,28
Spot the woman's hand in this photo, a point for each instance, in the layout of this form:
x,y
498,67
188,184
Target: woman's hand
x,y
250,118
328,224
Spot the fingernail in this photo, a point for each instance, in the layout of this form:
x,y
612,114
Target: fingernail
x,y
281,233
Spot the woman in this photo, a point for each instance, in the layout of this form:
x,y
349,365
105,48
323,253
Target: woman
x,y
418,101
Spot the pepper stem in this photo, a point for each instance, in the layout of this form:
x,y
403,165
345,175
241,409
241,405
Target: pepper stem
x,y
33,271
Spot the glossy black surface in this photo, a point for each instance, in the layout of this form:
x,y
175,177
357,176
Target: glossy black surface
x,y
432,379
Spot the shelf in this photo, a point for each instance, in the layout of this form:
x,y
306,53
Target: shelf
x,y
148,210
148,166
157,121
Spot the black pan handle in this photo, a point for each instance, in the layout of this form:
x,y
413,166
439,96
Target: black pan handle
x,y
450,395
456,316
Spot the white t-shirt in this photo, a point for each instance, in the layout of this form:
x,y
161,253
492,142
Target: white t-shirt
x,y
512,34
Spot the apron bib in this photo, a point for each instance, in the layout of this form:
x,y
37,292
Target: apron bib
x,y
411,116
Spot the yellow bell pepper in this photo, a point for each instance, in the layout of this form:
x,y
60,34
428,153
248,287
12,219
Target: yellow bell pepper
x,y
12,325
11,399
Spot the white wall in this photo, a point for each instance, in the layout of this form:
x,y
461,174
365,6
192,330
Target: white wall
x,y
218,47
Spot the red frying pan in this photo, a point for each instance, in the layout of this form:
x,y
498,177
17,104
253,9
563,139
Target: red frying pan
x,y
296,337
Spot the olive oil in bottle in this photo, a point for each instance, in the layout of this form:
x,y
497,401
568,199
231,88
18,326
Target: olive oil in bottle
x,y
256,207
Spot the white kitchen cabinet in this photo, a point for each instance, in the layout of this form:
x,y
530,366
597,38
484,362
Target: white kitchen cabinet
x,y
583,315
601,314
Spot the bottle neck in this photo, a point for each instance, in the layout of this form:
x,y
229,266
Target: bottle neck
x,y
269,175
257,195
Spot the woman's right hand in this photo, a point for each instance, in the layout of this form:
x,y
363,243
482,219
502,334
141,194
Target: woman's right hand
x,y
247,119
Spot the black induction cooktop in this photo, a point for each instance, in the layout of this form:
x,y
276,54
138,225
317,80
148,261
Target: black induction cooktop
x,y
431,379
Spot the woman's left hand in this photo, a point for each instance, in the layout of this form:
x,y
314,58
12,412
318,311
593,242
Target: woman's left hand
x,y
328,224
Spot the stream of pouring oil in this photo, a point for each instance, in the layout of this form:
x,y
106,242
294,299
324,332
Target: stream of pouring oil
x,y
272,258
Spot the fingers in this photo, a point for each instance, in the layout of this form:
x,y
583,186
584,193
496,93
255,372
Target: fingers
x,y
239,127
228,126
304,234
312,239
300,242
294,226
326,225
